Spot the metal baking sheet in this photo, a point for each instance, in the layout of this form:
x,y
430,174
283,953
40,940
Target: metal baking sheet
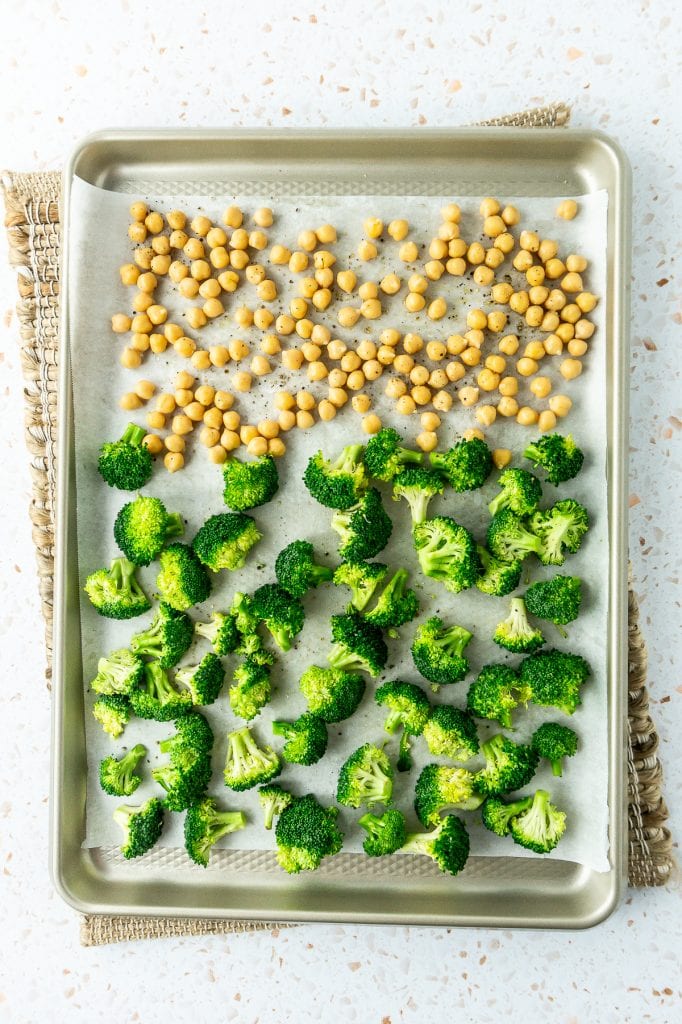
x,y
497,891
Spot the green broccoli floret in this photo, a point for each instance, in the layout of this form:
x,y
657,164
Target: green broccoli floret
x,y
540,827
559,456
451,733
224,541
508,766
409,710
117,775
305,834
358,645
385,456
498,578
447,553
249,484
466,466
221,632
273,799
246,764
366,777
115,592
205,825
282,613
340,482
296,569
188,773
521,492
447,844
386,832
331,693
143,526
555,742
554,679
204,681
157,698
515,633
120,672
557,600
251,689
363,578
495,692
396,605
168,637
126,464
417,486
306,739
244,614
508,538
442,787
560,527
112,711
252,649
141,826
437,652
497,815
183,581
364,528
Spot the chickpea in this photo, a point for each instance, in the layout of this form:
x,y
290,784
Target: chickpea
x,y
229,282
317,370
323,259
434,270
565,332
442,401
217,454
567,209
371,309
540,386
395,387
489,207
560,405
398,229
438,379
413,343
201,359
427,440
522,261
196,317
209,437
292,359
408,252
419,374
247,433
570,369
270,345
403,363
337,396
554,346
385,355
257,446
346,281
120,323
577,347
367,250
350,361
142,342
496,363
241,381
471,356
527,367
501,457
372,369
356,380
260,366
336,349
487,380
497,321
448,231
569,314
185,347
307,287
144,389
437,309
348,316
130,401
455,371
311,352
538,294
572,282
232,420
526,416
188,287
475,253
421,394
183,379
262,319
276,447
153,443
508,387
507,406
405,405
502,293
304,420
493,225
213,418
468,395
214,307
414,302
510,215
182,425
130,358
361,403
326,410
584,329
230,440
483,276
286,419
535,350
258,240
173,461
486,415
503,244
456,267
586,301
534,316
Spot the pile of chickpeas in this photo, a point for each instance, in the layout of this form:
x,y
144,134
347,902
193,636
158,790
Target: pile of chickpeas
x,y
482,368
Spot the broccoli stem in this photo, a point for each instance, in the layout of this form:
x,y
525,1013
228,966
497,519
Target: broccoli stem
x,y
174,525
133,435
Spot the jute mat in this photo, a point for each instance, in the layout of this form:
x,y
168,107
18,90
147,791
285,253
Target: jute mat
x,y
32,203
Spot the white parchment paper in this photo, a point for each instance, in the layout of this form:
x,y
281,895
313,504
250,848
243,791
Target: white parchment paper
x,y
98,245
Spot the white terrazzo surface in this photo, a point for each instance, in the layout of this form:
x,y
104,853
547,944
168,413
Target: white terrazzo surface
x,y
69,68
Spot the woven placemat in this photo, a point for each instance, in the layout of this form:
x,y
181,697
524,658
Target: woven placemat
x,y
32,203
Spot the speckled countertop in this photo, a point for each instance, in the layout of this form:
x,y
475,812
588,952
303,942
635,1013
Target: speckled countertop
x,y
70,68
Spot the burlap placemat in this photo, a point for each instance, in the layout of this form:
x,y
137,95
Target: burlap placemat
x,y
32,203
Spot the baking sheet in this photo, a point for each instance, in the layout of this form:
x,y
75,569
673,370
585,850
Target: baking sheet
x,y
95,294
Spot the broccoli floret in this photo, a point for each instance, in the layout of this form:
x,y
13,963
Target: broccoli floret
x,y
495,693
120,672
509,540
447,552
366,777
497,815
498,578
385,456
273,799
183,581
168,637
224,541
339,482
143,526
443,787
204,681
515,633
561,526
188,773
557,600
540,827
521,492
396,605
447,844
554,679
126,464
555,742
251,648
358,645
112,711
244,614
437,652
141,826
157,698
296,569
205,825
508,766
306,739
249,484
115,592
466,466
364,528
559,456
117,775
246,764
251,689
331,693
363,578
282,613
305,833
451,733
409,710
386,832
417,486
221,632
